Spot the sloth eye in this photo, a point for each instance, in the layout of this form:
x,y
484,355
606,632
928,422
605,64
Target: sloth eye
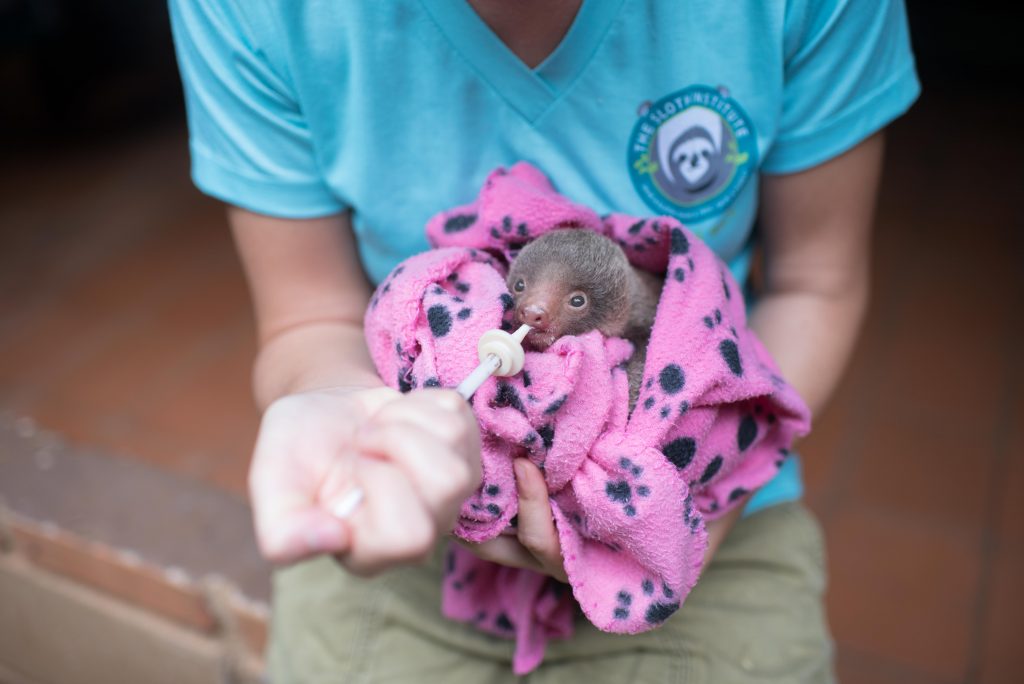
x,y
577,301
519,286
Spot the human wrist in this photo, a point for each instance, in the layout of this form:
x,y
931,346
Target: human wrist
x,y
313,356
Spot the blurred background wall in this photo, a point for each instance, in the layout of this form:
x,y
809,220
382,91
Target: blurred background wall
x,y
126,342
95,66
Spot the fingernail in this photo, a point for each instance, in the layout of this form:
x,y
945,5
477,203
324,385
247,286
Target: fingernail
x,y
521,469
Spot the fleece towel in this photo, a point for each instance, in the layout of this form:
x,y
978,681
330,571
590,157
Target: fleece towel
x,y
629,491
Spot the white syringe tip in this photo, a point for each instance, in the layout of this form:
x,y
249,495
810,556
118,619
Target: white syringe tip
x,y
519,334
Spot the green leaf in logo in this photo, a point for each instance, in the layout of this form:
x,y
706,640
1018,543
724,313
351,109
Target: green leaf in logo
x,y
644,164
734,156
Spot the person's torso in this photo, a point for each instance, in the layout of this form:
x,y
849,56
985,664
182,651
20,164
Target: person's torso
x,y
644,108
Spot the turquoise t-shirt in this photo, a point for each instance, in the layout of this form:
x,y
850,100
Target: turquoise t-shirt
x,y
398,109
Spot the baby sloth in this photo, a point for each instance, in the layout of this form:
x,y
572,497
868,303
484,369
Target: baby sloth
x,y
571,281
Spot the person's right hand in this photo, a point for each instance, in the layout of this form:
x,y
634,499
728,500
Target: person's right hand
x,y
416,457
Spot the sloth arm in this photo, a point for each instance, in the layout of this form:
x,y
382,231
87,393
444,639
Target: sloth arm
x,y
816,240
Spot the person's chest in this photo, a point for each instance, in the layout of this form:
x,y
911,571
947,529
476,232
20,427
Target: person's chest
x,y
530,29
646,108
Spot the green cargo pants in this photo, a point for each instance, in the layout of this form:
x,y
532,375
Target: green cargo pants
x,y
755,616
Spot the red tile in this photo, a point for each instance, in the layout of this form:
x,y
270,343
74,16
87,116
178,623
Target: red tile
x,y
934,473
1010,527
213,410
903,593
946,355
142,361
831,431
952,272
1002,658
147,270
116,298
854,668
32,353
107,216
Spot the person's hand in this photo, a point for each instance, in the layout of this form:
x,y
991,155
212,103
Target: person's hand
x,y
536,546
415,457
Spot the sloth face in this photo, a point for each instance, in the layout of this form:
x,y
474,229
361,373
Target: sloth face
x,y
691,159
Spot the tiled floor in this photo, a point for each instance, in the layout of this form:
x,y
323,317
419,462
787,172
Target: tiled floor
x,y
124,325
125,321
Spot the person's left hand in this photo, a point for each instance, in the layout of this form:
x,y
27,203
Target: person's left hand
x,y
536,545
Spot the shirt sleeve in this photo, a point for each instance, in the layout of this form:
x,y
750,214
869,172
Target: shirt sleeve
x,y
249,142
849,71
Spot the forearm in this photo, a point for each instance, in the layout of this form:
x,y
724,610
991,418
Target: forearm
x,y
312,356
309,293
817,267
811,335
814,294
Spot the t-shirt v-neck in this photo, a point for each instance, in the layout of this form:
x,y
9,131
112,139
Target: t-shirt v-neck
x,y
528,91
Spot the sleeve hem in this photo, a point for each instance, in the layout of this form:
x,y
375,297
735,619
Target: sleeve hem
x,y
281,199
805,150
786,486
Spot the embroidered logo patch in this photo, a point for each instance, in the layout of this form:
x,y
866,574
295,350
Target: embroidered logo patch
x,y
691,153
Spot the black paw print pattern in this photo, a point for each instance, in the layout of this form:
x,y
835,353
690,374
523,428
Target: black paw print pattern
x,y
457,583
445,310
642,236
545,434
671,380
645,241
621,491
485,501
405,379
446,306
691,516
679,246
451,572
727,348
657,606
624,600
514,236
459,222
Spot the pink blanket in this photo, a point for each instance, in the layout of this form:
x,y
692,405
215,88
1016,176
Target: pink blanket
x,y
630,493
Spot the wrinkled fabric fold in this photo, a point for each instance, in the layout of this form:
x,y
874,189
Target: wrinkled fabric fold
x,y
630,493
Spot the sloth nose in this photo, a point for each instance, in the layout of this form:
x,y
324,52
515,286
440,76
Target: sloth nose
x,y
534,315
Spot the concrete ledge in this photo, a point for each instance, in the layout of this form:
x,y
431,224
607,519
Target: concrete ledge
x,y
116,571
58,632
183,525
119,574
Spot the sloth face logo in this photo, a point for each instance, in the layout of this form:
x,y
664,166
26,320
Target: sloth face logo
x,y
692,152
692,160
